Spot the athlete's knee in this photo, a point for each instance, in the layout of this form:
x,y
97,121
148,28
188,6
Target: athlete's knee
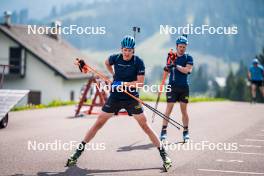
x,y
142,121
101,121
169,106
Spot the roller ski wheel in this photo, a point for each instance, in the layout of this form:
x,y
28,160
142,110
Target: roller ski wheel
x,y
73,158
167,164
71,162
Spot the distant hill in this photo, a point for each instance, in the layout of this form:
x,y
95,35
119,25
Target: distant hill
x,y
119,16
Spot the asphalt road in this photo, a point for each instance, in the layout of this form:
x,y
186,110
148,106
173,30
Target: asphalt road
x,y
121,147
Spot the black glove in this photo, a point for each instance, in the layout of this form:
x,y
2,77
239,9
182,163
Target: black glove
x,y
172,56
81,64
167,68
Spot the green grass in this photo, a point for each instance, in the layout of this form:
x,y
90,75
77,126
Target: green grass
x,y
144,97
153,97
54,103
205,99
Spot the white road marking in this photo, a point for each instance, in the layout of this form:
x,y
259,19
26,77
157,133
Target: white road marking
x,y
229,161
255,140
229,171
245,153
254,146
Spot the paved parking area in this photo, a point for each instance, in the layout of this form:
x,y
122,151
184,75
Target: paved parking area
x,y
121,147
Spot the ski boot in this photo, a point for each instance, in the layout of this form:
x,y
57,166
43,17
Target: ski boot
x,y
185,136
74,157
163,135
167,163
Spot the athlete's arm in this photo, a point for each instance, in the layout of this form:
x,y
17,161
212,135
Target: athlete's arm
x,y
138,83
109,67
185,70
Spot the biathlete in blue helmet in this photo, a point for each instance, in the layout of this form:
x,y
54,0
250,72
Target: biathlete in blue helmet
x,y
256,75
179,68
128,70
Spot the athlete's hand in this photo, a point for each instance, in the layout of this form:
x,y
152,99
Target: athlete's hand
x,y
82,65
172,55
170,66
167,68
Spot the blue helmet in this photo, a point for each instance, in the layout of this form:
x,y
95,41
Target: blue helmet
x,y
128,42
182,40
255,61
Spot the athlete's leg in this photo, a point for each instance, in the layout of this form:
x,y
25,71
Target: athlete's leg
x,y
142,121
169,108
185,117
163,133
261,88
185,121
253,91
101,120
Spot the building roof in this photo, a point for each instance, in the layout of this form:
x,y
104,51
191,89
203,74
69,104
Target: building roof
x,y
59,55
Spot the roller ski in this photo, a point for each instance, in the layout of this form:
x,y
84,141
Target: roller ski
x,y
71,162
74,157
167,163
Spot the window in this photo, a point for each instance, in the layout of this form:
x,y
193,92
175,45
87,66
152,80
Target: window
x,y
34,97
15,59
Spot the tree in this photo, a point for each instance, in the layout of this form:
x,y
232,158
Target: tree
x,y
236,86
230,83
199,80
53,12
242,70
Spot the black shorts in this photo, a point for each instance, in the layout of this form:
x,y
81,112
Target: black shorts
x,y
178,93
257,83
114,106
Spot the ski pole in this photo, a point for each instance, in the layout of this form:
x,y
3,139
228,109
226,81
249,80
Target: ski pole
x,y
159,93
171,57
